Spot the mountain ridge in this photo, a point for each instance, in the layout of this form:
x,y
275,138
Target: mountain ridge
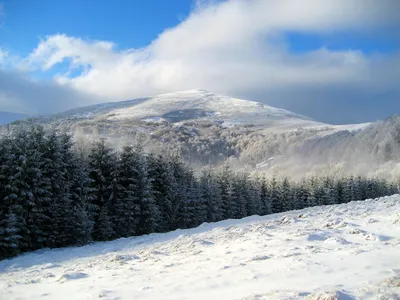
x,y
186,105
210,129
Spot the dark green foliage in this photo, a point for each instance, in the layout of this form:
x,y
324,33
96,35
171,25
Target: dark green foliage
x,y
211,196
9,235
149,214
102,164
126,206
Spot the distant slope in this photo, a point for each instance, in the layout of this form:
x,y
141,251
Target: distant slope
x,y
348,251
184,106
210,129
8,117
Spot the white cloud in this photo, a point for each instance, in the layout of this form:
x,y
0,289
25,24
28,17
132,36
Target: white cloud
x,y
235,47
3,56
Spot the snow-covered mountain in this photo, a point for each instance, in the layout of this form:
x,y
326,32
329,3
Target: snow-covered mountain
x,y
348,251
211,129
188,106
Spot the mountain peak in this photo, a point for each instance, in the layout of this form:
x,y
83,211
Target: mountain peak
x,y
201,105
190,105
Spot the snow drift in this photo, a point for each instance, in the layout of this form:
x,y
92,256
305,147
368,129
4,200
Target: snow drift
x,y
348,251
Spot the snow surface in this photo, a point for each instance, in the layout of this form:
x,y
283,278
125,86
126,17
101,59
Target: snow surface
x,y
192,105
349,251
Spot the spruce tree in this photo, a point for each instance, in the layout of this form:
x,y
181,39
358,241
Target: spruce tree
x,y
274,195
266,207
102,164
9,235
188,214
302,193
225,186
164,189
211,195
127,206
149,213
240,201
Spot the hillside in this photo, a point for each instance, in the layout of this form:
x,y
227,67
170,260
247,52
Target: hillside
x,y
185,106
210,129
347,251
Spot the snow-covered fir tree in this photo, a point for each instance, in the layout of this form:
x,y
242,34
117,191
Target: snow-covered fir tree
x,y
102,160
149,213
164,188
211,195
127,206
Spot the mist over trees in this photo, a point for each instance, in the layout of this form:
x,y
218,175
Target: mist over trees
x,y
53,195
373,150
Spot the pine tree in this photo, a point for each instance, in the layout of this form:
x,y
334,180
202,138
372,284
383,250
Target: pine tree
x,y
56,186
302,193
285,196
240,202
224,181
329,197
348,191
179,188
266,207
149,213
312,192
127,206
164,189
102,164
9,235
188,215
274,195
105,231
81,197
71,225
319,193
27,189
254,193
211,195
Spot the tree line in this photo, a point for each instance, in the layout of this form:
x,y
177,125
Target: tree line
x,y
50,196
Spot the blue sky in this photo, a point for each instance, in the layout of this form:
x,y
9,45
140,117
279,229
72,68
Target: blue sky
x,y
136,23
129,23
270,51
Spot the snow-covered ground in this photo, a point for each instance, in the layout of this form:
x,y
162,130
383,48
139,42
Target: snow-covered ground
x,y
349,251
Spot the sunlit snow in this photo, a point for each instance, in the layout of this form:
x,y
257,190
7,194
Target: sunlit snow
x,y
349,251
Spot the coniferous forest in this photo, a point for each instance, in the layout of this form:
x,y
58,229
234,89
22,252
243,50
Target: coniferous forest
x,y
51,196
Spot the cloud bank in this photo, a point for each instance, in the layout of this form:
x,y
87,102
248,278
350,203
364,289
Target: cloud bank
x,y
236,47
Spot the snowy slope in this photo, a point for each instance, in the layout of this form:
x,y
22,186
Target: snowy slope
x,y
350,251
189,105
